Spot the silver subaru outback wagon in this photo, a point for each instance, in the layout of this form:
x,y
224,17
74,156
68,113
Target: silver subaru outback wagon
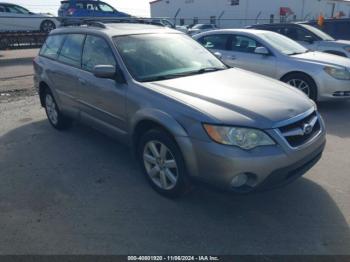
x,y
186,115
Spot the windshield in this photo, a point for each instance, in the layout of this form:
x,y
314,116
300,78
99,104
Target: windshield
x,y
153,57
283,44
319,33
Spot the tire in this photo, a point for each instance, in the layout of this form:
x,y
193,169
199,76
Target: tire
x,y
156,167
54,115
297,79
47,26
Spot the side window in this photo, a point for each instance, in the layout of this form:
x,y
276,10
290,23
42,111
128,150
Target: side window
x,y
12,9
218,42
71,50
2,9
244,44
52,46
105,8
96,52
92,7
297,34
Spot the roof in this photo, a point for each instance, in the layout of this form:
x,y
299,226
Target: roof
x,y
155,1
117,29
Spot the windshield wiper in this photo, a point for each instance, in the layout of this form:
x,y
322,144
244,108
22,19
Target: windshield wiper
x,y
299,53
189,73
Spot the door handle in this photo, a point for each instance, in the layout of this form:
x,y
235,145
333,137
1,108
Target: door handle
x,y
232,57
82,81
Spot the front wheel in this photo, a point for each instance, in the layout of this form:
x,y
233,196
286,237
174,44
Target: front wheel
x,y
302,82
162,163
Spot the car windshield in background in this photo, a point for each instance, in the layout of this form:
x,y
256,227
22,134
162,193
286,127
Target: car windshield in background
x,y
154,57
283,44
319,33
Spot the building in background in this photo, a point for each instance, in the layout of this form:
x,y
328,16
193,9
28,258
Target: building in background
x,y
240,13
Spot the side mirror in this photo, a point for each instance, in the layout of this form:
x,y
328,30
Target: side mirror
x,y
218,55
309,39
110,72
261,50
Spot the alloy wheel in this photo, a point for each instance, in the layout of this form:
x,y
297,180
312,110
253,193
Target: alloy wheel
x,y
47,26
51,109
301,85
160,165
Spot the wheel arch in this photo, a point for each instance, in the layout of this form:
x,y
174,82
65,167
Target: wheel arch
x,y
148,119
302,73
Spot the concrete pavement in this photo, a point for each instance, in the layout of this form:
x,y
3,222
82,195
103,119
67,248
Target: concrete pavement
x,y
80,192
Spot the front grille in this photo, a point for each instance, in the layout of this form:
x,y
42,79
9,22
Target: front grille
x,y
300,132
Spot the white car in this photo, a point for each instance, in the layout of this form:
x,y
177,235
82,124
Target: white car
x,y
319,75
199,28
17,18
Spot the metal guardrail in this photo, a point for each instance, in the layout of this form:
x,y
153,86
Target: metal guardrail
x,y
19,40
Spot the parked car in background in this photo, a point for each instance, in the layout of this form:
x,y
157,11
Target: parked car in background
x,y
337,28
87,8
17,18
319,75
310,37
185,114
199,28
182,28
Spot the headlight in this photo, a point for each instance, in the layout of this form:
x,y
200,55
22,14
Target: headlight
x,y
347,49
338,73
245,138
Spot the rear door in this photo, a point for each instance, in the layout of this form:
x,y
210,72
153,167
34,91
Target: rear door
x,y
67,70
101,100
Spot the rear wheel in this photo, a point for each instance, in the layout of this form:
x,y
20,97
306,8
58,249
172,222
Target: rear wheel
x,y
47,26
302,82
54,115
163,164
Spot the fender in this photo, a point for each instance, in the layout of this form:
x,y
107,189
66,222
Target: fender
x,y
173,127
159,117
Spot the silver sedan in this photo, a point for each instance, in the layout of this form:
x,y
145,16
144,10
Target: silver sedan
x,y
321,76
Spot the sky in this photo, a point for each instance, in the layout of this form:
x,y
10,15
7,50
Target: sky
x,y
133,7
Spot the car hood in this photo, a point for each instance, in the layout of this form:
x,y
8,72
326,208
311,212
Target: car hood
x,y
237,97
323,59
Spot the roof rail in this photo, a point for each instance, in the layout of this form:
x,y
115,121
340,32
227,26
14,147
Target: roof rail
x,y
101,21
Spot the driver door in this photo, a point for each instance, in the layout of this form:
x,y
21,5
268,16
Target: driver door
x,y
242,54
102,101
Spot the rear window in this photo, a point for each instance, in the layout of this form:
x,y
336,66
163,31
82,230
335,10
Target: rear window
x,y
71,50
52,46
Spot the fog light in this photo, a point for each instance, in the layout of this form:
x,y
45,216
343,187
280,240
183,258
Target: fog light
x,y
239,181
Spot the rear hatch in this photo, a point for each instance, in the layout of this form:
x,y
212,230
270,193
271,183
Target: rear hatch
x,y
62,11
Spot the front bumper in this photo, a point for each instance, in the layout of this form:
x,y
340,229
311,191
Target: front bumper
x,y
267,166
330,88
